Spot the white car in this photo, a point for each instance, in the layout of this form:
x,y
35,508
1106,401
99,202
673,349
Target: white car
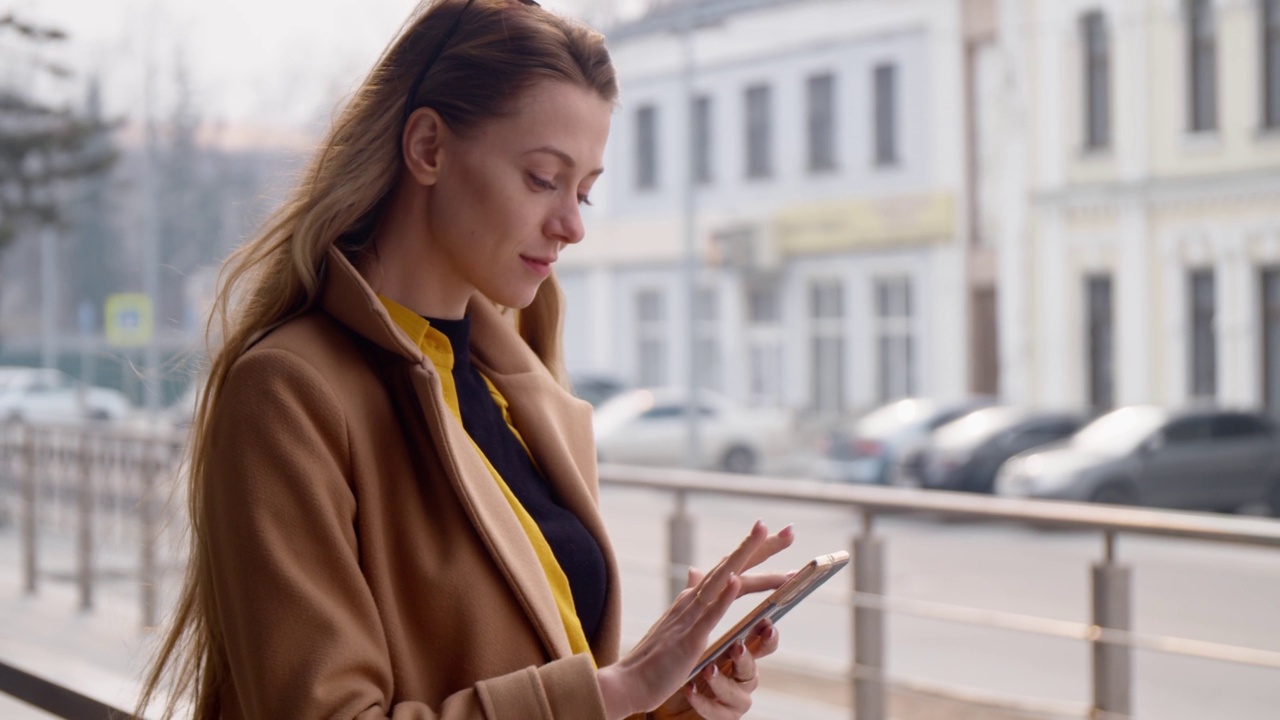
x,y
47,395
649,427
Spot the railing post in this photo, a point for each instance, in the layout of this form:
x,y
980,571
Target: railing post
x,y
868,624
679,545
1112,610
29,509
86,497
146,515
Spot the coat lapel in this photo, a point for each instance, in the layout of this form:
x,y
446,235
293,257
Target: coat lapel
x,y
347,298
557,429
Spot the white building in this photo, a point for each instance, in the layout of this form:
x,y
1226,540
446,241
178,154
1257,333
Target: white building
x,y
1140,243
828,152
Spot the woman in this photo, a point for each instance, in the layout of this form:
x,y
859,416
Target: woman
x,y
394,500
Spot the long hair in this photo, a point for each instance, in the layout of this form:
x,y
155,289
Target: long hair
x,y
496,50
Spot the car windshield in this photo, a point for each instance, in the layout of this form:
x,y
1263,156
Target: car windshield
x,y
894,417
1120,431
977,427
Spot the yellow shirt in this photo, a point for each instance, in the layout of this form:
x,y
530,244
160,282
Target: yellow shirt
x,y
436,347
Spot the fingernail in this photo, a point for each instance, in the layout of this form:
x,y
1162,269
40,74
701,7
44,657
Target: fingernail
x,y
787,529
737,650
713,671
759,524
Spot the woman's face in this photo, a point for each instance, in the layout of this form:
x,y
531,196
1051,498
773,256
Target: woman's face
x,y
509,195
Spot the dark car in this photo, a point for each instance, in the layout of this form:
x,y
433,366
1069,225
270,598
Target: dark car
x,y
966,453
881,446
595,389
1194,459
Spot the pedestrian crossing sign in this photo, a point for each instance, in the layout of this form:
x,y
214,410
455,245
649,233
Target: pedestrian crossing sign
x,y
129,320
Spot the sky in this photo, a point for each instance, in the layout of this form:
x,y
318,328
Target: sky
x,y
257,62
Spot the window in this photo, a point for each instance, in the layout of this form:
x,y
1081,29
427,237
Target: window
x,y
651,332
1097,82
759,133
1202,66
1100,333
700,116
1239,426
1271,63
646,147
764,341
822,122
707,348
1270,317
896,354
886,115
826,312
1203,338
1188,430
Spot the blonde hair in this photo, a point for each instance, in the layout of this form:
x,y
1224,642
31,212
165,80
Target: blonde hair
x,y
498,49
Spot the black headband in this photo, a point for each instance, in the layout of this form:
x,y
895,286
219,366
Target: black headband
x,y
422,74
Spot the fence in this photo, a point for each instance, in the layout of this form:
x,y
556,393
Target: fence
x,y
1110,633
105,488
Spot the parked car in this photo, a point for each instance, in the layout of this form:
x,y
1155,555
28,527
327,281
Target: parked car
x,y
966,453
649,427
50,395
880,445
595,388
1192,459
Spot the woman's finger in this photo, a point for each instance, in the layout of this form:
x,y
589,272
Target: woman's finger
x,y
714,697
772,546
742,667
760,582
715,581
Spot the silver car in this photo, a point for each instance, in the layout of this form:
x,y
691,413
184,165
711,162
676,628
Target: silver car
x,y
1194,459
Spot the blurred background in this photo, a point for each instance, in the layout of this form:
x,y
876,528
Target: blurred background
x,y
1028,248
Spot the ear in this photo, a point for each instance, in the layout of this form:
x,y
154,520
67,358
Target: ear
x,y
423,137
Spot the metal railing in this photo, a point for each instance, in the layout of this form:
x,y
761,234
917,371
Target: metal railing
x,y
103,487
53,698
1110,633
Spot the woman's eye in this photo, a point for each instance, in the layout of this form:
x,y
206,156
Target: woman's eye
x,y
539,182
584,200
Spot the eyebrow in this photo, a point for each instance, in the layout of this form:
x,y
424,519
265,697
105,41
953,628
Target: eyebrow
x,y
564,157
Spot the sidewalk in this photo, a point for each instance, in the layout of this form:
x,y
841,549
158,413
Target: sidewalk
x,y
103,652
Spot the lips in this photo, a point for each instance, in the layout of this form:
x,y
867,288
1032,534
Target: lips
x,y
541,266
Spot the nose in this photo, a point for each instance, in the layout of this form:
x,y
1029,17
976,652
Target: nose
x,y
565,222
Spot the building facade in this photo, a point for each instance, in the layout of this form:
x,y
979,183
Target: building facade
x,y
1140,235
824,167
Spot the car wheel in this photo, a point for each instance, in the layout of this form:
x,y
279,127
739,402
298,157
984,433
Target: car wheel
x,y
99,415
739,460
1114,493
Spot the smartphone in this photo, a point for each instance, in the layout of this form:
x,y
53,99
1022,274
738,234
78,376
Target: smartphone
x,y
779,603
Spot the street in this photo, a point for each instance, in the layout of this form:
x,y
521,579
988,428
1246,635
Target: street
x,y
1217,593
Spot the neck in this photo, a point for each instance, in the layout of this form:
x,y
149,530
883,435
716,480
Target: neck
x,y
407,266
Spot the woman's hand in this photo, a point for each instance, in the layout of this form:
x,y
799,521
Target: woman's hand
x,y
660,663
724,688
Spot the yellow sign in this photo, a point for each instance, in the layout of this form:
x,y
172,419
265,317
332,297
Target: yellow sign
x,y
846,225
129,321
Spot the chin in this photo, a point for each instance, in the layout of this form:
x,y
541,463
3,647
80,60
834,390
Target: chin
x,y
514,296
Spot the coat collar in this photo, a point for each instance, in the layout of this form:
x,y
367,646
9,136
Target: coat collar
x,y
555,426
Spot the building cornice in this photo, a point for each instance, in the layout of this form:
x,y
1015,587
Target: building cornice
x,y
672,16
1198,190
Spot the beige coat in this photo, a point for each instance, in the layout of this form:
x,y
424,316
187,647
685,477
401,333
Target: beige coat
x,y
365,564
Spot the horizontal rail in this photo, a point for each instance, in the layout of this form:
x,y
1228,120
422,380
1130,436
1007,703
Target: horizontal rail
x,y
890,500
1071,630
53,698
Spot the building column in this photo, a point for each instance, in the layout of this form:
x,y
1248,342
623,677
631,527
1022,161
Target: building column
x,y
1236,289
1176,353
1132,337
1054,333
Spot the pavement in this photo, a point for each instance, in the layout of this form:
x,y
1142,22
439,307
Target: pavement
x,y
102,652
